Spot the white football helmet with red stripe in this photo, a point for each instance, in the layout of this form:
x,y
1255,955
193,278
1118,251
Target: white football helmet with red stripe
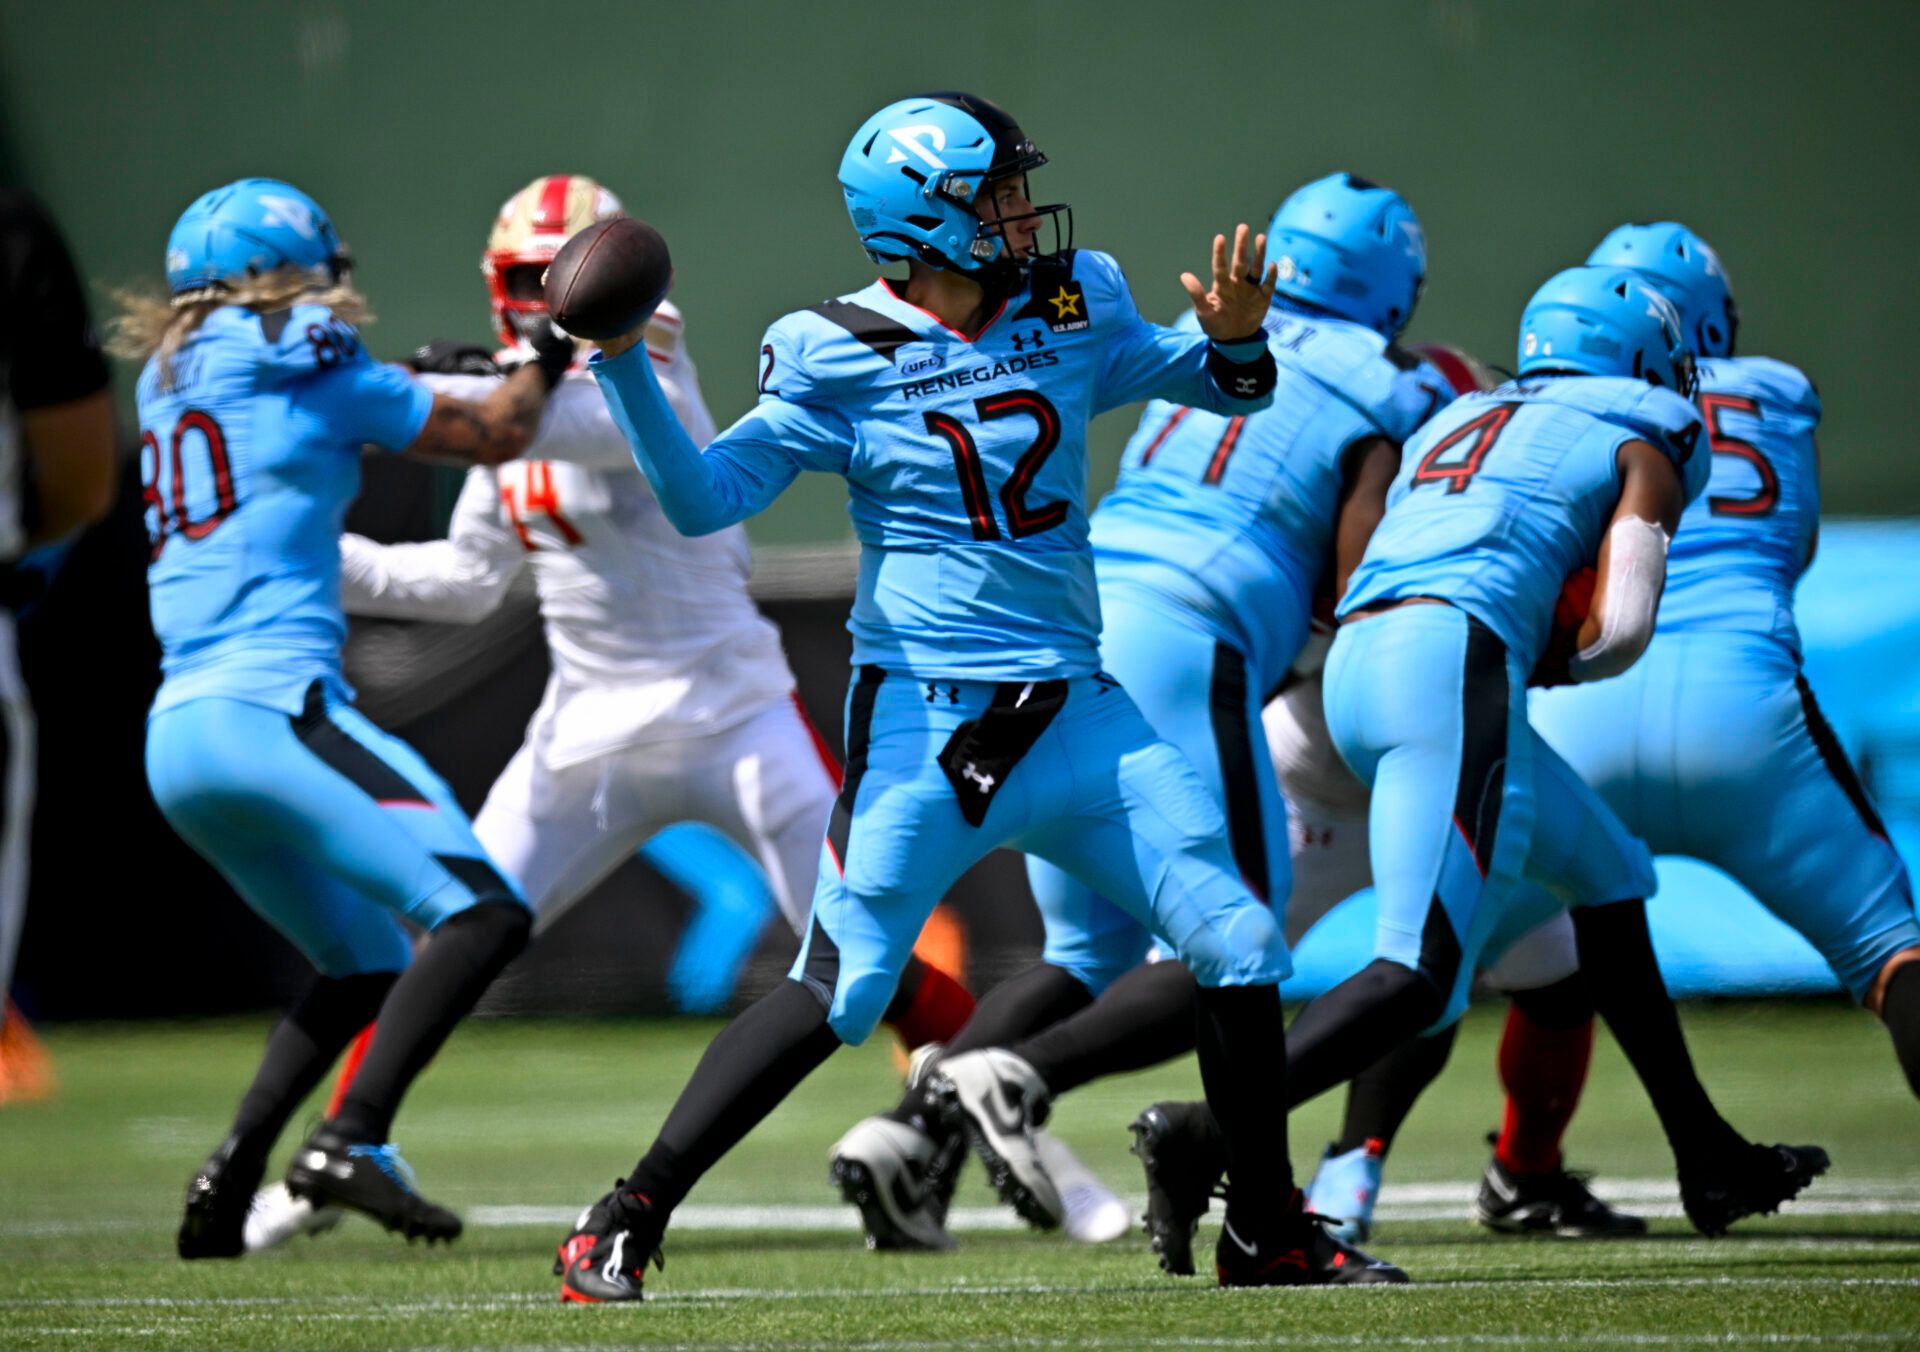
x,y
1464,371
529,231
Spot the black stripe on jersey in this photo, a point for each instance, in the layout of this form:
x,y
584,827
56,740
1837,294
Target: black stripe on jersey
x,y
273,323
478,876
1233,743
331,743
1836,760
859,738
872,328
1043,278
1483,742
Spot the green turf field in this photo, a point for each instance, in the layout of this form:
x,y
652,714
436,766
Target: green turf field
x,y
521,1122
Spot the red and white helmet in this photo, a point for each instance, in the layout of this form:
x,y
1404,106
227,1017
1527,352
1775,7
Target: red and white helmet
x,y
529,231
1464,371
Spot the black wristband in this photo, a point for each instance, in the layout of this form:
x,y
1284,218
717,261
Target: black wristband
x,y
1243,380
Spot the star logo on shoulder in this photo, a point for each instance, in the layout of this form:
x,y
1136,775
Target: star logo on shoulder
x,y
1066,302
1069,306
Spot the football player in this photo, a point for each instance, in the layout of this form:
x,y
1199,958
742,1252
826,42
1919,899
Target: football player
x,y
670,698
255,401
1209,552
955,403
1578,463
1713,745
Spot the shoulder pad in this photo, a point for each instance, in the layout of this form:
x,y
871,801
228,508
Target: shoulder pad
x,y
1390,387
664,330
302,341
1672,424
807,352
1772,382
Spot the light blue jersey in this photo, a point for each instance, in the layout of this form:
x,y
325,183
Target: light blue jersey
x,y
965,459
1744,543
249,460
1506,492
1231,518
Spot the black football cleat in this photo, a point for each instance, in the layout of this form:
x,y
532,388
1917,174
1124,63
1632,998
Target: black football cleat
x,y
330,1170
1183,1156
1750,1182
1557,1202
605,1259
1305,1253
218,1199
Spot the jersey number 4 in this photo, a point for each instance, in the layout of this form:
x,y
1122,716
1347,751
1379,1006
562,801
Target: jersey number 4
x,y
537,486
1767,496
1456,458
1022,520
169,508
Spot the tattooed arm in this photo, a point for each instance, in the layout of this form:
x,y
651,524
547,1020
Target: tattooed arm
x,y
489,432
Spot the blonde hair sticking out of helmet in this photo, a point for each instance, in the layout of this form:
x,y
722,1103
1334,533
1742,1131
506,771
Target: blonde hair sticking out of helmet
x,y
151,325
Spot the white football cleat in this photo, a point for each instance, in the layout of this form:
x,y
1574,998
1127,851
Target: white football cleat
x,y
1095,1213
1005,1103
881,1167
276,1216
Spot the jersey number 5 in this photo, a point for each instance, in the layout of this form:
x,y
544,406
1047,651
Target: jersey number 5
x,y
1767,496
1468,444
170,508
1022,520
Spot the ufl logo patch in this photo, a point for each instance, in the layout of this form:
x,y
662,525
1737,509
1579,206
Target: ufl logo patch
x,y
1066,309
933,361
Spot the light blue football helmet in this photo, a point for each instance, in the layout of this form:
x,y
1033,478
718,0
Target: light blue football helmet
x,y
1605,322
249,227
912,172
1352,248
1686,268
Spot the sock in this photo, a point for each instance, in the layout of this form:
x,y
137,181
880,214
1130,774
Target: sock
x,y
1633,999
1355,1024
1544,1052
1380,1097
1241,1038
753,1064
457,965
1146,1017
1030,1000
350,1067
1900,1011
930,1006
299,1051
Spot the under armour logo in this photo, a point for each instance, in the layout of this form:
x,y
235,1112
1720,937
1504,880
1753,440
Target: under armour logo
x,y
933,693
970,771
1021,342
1246,385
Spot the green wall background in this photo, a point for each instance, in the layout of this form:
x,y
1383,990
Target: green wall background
x,y
1785,132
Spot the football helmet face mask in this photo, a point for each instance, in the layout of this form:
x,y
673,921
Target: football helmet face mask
x,y
1351,248
529,231
1687,270
246,229
917,181
1605,322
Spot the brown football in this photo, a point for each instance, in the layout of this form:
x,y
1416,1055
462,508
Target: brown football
x,y
608,279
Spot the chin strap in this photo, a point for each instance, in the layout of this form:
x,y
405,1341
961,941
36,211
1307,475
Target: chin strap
x,y
1636,573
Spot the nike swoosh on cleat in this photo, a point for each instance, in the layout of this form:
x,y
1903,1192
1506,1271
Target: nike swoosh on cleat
x,y
1250,1250
990,1101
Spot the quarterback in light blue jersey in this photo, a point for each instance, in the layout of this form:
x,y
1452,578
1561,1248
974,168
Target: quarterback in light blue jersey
x,y
955,403
255,402
1713,745
1587,460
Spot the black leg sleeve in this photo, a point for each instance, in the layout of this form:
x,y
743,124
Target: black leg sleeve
x,y
753,1064
1381,1096
1243,1066
1146,1017
454,969
1022,1004
1339,1035
1628,992
301,1049
1900,1011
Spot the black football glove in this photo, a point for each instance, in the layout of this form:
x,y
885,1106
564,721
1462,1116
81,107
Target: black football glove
x,y
553,350
451,357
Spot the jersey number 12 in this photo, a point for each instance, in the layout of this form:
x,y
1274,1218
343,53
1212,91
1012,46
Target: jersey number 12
x,y
1022,520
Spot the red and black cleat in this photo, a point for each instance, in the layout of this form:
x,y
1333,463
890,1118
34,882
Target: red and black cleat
x,y
1302,1252
605,1258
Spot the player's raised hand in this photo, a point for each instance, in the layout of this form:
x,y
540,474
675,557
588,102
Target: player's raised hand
x,y
1240,295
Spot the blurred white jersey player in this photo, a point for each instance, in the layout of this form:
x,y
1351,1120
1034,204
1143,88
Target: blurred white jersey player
x,y
670,697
